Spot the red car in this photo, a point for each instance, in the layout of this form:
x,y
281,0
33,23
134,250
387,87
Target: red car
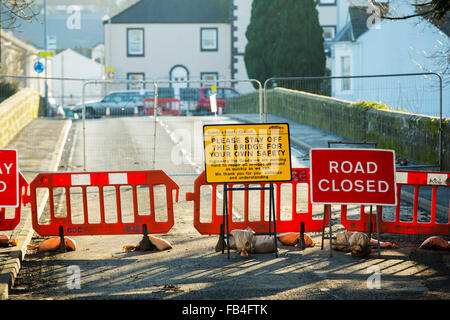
x,y
222,93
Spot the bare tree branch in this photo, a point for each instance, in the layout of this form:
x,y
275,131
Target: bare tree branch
x,y
16,10
435,9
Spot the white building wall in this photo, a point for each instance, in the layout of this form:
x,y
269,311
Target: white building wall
x,y
327,15
166,46
399,47
70,64
18,59
242,12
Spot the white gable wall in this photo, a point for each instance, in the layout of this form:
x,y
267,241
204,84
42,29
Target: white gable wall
x,y
70,64
167,46
403,46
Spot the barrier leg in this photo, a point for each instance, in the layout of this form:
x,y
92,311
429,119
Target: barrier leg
x,y
302,236
370,223
274,219
226,218
62,241
323,225
378,231
330,231
222,226
147,243
221,238
270,207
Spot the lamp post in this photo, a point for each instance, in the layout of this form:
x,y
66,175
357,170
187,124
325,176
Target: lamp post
x,y
46,66
106,63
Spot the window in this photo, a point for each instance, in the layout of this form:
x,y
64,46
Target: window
x,y
208,39
135,42
328,32
327,2
111,98
345,71
137,77
209,76
229,93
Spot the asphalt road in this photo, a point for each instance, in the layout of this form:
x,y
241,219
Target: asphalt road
x,y
192,269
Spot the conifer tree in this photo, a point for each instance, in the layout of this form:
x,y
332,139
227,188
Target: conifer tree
x,y
284,40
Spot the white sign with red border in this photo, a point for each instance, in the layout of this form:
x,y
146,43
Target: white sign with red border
x,y
353,176
9,178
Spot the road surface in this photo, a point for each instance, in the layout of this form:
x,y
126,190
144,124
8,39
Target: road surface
x,y
101,269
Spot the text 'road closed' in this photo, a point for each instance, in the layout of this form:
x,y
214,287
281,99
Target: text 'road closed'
x,y
353,176
9,178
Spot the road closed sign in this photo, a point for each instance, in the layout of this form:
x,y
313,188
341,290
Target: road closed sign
x,y
353,176
247,153
9,178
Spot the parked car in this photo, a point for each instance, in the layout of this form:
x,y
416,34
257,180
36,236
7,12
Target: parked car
x,y
222,94
120,102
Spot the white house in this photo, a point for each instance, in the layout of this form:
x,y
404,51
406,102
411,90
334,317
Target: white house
x,y
192,40
71,64
392,47
18,59
170,40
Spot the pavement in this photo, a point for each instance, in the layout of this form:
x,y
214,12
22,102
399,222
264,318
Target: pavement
x,y
40,146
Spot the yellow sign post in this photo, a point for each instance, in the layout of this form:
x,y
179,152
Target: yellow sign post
x,y
45,54
247,153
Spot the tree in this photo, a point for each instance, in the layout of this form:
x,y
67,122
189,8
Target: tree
x,y
13,10
435,10
284,40
259,36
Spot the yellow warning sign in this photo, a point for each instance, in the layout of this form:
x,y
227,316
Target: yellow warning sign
x,y
247,152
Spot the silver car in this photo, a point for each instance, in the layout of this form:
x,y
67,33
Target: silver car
x,y
120,103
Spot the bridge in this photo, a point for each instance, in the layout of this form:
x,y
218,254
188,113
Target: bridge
x,y
173,144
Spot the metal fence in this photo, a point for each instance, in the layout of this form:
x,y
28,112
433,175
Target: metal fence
x,y
415,93
96,144
419,93
127,137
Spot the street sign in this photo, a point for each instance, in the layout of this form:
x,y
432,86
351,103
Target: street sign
x,y
353,176
45,54
213,102
51,42
38,67
9,178
247,153
110,74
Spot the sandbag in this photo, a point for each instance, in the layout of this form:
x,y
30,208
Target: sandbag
x,y
221,244
243,240
149,243
293,239
342,237
263,244
6,241
435,243
359,244
53,244
384,245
